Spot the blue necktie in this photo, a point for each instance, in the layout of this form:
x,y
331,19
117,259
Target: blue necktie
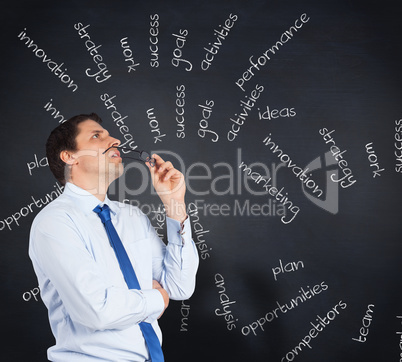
x,y
148,332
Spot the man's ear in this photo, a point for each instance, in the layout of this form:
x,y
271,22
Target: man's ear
x,y
68,157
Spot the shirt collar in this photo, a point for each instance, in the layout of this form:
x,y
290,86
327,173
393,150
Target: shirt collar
x,y
85,200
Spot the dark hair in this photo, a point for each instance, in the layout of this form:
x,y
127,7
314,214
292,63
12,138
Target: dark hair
x,y
63,138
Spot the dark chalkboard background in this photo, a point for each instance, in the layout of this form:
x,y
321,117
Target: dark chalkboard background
x,y
341,71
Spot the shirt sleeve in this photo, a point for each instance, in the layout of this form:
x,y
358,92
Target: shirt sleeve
x,y
67,271
177,271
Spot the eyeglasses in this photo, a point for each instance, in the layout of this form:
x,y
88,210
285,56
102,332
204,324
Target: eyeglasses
x,y
143,155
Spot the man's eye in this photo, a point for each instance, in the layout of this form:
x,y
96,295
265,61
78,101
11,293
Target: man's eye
x,y
96,135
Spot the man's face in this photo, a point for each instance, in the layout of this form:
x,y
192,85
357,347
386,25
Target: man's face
x,y
92,140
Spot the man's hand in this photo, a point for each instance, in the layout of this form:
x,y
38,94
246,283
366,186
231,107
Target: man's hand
x,y
170,185
156,285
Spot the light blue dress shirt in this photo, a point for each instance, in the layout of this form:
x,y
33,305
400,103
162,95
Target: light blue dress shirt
x,y
92,313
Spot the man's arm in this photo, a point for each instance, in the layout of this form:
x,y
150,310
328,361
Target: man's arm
x,y
179,267
67,269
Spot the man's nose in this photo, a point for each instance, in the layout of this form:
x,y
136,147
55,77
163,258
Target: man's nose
x,y
114,142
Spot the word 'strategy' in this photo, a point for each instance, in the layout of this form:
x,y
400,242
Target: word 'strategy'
x,y
100,74
119,122
346,180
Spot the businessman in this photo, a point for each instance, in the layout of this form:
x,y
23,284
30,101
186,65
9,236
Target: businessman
x,y
94,312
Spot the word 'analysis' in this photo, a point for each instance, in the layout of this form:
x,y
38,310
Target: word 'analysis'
x,y
225,301
246,107
273,191
54,67
221,34
323,322
262,60
198,231
101,74
346,180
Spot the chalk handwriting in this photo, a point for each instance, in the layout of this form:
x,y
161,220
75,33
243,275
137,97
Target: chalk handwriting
x,y
206,113
30,208
225,302
338,155
323,322
37,163
100,74
198,231
180,102
160,217
400,340
153,39
262,60
303,296
297,171
246,107
272,113
366,321
154,124
372,157
220,35
119,122
27,296
55,113
273,191
177,52
289,267
54,67
185,312
128,55
398,145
